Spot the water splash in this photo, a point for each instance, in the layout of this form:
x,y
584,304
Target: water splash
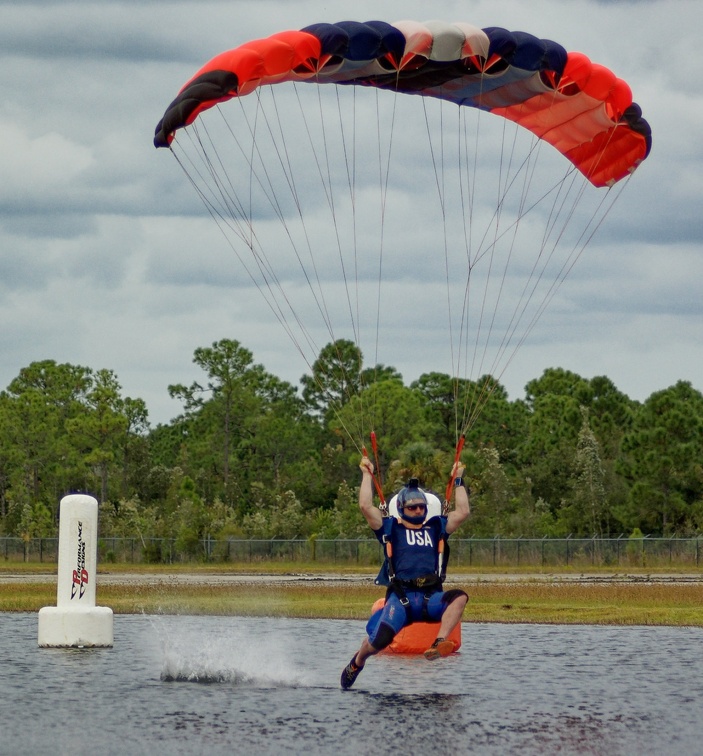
x,y
230,651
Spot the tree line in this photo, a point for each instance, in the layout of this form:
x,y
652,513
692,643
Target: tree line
x,y
252,455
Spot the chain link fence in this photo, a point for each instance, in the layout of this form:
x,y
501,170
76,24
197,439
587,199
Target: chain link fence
x,y
552,553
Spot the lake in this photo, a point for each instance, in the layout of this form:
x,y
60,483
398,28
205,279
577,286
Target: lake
x,y
216,685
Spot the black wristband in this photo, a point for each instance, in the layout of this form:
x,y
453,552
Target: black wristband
x,y
458,482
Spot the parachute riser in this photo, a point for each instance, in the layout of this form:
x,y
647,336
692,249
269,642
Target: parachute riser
x,y
383,506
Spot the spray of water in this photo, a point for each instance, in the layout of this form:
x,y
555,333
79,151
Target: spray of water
x,y
232,651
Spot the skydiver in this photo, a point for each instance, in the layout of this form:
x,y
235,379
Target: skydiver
x,y
415,580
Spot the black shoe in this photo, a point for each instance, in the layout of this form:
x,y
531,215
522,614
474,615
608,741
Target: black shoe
x,y
350,673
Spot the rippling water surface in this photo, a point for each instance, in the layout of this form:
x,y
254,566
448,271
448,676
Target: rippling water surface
x,y
211,685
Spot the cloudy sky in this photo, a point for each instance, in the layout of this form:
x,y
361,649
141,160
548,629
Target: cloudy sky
x,y
105,260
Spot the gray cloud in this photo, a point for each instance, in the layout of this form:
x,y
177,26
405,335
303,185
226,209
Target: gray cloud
x,y
107,259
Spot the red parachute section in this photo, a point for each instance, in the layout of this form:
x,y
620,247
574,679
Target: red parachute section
x,y
579,107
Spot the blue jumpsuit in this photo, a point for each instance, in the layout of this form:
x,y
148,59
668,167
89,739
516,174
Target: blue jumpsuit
x,y
415,554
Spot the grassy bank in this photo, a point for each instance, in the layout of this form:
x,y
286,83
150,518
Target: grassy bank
x,y
525,600
278,567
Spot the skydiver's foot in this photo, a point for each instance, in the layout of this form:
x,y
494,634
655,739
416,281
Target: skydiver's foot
x,y
441,647
350,673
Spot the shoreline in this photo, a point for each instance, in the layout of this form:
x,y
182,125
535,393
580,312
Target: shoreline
x,y
179,578
543,598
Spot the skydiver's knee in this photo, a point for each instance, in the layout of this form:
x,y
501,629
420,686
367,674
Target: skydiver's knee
x,y
455,595
383,637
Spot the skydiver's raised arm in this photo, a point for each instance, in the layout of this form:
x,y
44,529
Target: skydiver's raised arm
x,y
371,513
462,508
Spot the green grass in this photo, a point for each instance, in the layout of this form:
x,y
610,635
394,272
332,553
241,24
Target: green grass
x,y
330,568
200,568
579,603
620,603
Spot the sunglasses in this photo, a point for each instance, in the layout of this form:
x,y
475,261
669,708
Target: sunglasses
x,y
413,507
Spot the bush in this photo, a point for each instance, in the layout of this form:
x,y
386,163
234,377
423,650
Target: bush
x,y
635,549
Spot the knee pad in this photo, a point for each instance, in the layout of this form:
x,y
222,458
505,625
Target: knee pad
x,y
384,636
452,595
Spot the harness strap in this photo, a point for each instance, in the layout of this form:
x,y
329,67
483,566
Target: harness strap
x,y
426,608
396,588
428,584
395,585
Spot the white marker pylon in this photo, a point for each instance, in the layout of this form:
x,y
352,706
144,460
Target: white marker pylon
x,y
75,621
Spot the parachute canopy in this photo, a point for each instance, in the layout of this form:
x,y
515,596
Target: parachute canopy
x,y
364,217
579,107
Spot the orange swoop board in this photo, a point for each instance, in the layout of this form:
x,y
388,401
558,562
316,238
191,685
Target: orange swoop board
x,y
418,637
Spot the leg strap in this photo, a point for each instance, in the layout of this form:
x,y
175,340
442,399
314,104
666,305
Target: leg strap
x,y
396,588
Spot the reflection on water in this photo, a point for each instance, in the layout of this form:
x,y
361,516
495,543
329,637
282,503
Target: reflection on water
x,y
223,685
